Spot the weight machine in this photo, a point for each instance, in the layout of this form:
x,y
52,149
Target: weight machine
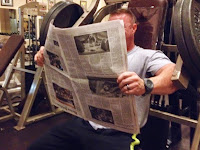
x,y
144,12
187,63
29,9
187,69
29,28
32,10
39,74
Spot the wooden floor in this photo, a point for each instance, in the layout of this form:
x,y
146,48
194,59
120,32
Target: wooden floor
x,y
11,139
184,144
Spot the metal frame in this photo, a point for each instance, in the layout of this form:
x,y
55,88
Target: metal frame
x,y
181,79
10,110
196,139
83,4
181,120
24,117
39,76
9,75
32,8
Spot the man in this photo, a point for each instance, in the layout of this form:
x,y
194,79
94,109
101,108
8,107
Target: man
x,y
84,135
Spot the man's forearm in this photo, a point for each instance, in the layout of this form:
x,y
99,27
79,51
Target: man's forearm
x,y
162,81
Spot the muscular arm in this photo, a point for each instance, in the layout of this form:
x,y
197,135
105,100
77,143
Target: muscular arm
x,y
162,80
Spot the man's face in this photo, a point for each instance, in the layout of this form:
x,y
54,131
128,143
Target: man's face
x,y
128,26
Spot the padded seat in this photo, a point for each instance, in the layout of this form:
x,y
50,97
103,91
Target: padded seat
x,y
9,50
150,15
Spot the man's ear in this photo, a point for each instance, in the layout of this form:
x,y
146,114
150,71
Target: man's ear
x,y
134,27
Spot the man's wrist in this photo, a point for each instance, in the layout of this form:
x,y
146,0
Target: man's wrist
x,y
148,84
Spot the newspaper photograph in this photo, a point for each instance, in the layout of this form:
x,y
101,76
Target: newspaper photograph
x,y
53,52
81,67
100,48
61,92
104,104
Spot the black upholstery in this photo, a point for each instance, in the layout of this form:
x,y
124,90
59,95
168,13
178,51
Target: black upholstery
x,y
9,50
150,15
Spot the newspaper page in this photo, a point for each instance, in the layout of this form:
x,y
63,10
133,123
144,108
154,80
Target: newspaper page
x,y
82,65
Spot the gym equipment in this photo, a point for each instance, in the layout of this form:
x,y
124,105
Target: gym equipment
x,y
31,12
10,50
39,74
186,19
156,35
186,31
65,14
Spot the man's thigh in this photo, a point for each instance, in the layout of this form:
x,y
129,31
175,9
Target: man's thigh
x,y
64,136
78,134
106,139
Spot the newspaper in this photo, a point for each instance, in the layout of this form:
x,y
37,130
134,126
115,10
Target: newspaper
x,y
81,67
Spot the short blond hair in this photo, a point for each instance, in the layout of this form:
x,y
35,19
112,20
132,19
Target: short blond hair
x,y
124,11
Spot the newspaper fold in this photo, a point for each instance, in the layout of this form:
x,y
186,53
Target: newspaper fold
x,y
81,67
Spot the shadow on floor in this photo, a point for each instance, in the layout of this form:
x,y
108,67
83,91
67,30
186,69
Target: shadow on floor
x,y
11,139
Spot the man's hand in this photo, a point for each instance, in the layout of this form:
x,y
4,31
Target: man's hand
x,y
39,58
131,83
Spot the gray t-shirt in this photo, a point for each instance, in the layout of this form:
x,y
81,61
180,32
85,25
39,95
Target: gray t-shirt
x,y
144,62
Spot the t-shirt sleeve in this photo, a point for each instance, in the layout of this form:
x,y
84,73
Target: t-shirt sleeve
x,y
157,61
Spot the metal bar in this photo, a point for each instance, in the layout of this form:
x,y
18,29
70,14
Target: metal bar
x,y
45,84
88,15
30,99
12,113
174,118
11,82
9,75
21,27
42,116
24,70
196,138
29,32
180,77
6,107
13,90
5,118
9,101
1,97
22,64
105,11
169,48
36,37
10,71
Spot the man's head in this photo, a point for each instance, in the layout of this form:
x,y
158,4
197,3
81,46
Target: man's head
x,y
129,25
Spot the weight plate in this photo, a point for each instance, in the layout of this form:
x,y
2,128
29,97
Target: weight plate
x,y
191,30
46,20
180,40
104,11
65,14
